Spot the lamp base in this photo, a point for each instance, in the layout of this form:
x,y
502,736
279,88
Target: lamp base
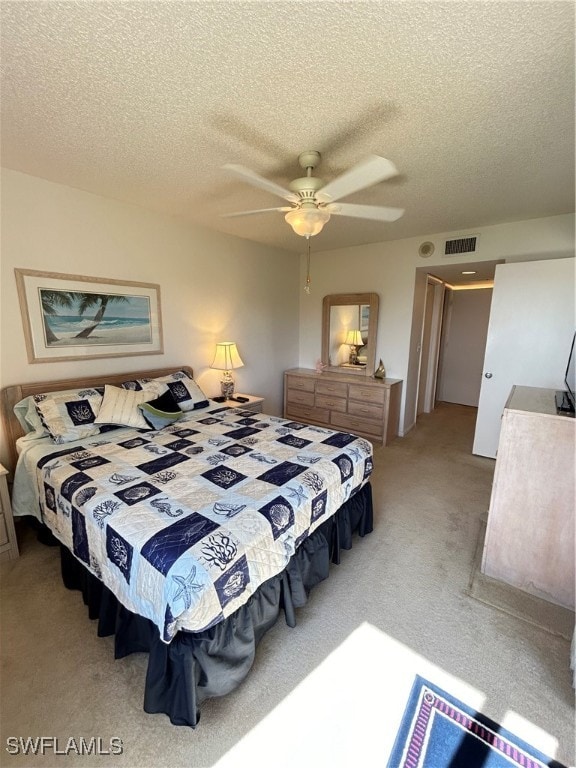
x,y
227,385
353,359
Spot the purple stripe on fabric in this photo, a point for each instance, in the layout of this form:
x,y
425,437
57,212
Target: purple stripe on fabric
x,y
428,703
418,734
484,734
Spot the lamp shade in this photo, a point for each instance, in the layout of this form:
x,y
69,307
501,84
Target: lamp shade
x,y
226,357
307,221
354,338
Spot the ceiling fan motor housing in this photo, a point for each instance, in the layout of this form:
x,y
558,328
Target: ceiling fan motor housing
x,y
306,187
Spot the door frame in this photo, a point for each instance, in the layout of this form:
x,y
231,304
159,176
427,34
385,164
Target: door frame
x,y
430,338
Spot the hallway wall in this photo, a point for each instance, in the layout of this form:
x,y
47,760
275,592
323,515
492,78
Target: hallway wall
x,y
465,326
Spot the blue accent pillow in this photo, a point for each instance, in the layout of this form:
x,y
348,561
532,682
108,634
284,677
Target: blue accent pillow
x,y
162,411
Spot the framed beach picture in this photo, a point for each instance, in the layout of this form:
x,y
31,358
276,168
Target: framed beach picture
x,y
364,316
71,316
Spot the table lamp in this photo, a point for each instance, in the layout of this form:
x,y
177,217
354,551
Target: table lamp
x,y
226,359
354,340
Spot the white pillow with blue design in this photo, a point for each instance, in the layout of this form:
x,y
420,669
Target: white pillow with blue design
x,y
182,386
70,415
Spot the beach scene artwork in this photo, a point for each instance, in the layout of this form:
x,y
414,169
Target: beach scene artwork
x,y
74,318
67,317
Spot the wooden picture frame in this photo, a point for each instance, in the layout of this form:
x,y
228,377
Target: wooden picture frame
x,y
66,317
364,317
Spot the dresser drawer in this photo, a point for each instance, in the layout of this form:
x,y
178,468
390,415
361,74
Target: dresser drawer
x,y
301,413
301,382
356,424
337,388
365,409
297,397
367,394
331,402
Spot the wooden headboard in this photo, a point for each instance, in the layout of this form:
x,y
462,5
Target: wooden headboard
x,y
16,392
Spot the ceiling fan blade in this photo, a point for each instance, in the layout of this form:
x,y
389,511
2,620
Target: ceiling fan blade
x,y
259,181
367,172
376,212
258,210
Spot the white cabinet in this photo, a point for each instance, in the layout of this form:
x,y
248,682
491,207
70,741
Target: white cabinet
x,y
530,531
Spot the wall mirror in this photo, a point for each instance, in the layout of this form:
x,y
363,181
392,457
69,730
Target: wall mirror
x,y
349,323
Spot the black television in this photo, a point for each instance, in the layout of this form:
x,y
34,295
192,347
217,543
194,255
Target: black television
x,y
566,399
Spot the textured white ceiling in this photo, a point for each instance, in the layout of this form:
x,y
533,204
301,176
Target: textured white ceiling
x,y
145,101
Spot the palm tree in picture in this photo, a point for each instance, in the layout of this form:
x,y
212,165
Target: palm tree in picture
x,y
52,301
100,300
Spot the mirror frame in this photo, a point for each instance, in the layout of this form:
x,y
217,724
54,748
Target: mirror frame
x,y
341,299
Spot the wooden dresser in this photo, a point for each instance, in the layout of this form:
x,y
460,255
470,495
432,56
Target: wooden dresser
x,y
530,531
365,406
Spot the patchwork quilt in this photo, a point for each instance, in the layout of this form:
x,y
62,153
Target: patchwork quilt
x,y
185,523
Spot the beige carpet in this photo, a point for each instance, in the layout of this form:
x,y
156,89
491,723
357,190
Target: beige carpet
x,y
319,694
542,613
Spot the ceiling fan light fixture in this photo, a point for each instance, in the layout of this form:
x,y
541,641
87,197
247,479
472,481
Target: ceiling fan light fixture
x,y
307,221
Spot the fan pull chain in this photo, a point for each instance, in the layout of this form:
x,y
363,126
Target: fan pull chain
x,y
307,284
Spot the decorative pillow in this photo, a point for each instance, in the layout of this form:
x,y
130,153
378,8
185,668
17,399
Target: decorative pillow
x,y
187,394
69,415
135,384
120,406
184,389
29,418
162,411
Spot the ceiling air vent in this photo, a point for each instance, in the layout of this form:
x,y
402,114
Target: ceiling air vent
x,y
467,244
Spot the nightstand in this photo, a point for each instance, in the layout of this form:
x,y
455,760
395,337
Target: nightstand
x,y
254,403
8,542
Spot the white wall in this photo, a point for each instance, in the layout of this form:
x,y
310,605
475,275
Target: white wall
x,y
213,287
389,269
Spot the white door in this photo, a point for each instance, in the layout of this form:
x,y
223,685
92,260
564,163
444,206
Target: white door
x,y
529,334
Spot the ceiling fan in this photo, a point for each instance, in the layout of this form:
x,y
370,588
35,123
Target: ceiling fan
x,y
313,201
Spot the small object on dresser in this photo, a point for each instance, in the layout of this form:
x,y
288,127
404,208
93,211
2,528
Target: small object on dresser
x,y
240,399
320,366
380,372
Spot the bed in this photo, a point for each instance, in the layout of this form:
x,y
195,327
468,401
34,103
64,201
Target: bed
x,y
189,532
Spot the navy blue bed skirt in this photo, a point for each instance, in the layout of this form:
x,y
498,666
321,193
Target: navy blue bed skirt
x,y
199,665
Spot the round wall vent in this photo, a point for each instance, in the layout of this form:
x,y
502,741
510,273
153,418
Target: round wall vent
x,y
426,250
